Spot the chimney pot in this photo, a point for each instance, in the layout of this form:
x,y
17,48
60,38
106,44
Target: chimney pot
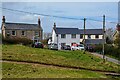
x,y
54,25
39,21
118,27
3,19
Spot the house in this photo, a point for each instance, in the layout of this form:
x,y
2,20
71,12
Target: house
x,y
69,36
117,32
92,36
22,30
65,36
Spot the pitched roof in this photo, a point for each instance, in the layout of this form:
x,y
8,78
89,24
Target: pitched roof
x,y
21,26
67,30
77,31
91,31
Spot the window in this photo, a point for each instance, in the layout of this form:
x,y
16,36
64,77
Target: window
x,y
96,36
23,33
63,36
8,33
73,35
89,36
36,33
81,36
14,33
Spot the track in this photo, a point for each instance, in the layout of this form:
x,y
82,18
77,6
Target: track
x,y
62,66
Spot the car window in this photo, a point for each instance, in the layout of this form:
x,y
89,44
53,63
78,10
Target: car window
x,y
55,44
80,46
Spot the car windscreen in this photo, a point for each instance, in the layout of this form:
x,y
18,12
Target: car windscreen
x,y
80,45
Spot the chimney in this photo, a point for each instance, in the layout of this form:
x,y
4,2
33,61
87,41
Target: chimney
x,y
3,19
118,27
39,21
54,26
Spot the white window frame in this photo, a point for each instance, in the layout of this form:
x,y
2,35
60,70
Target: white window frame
x,y
73,36
63,37
12,33
82,36
89,36
24,33
37,33
8,33
97,35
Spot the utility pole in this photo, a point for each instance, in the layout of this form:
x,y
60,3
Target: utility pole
x,y
104,38
84,33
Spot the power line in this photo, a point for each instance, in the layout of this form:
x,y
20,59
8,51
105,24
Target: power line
x,y
42,14
57,16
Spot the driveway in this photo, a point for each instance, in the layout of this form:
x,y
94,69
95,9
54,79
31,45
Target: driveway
x,y
107,58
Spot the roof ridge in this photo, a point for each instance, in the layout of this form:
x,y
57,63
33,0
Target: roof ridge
x,y
19,23
67,27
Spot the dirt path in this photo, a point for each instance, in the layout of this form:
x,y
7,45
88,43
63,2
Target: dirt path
x,y
60,66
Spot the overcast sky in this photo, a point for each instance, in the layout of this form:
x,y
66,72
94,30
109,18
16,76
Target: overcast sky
x,y
77,10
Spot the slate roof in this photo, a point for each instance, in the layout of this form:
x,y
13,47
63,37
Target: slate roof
x,y
94,41
67,30
78,31
21,26
91,31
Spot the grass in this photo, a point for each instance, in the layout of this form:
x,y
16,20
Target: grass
x,y
13,70
67,58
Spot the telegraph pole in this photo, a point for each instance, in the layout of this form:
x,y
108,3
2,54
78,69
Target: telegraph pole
x,y
84,33
104,38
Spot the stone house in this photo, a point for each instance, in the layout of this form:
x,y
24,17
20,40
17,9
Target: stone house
x,y
22,30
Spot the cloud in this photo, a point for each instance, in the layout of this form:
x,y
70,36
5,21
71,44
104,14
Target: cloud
x,y
27,17
30,18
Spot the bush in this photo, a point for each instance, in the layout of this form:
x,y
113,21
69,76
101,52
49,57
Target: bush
x,y
109,50
16,40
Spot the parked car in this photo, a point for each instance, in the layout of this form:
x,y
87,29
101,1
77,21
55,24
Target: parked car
x,y
38,45
77,47
90,48
53,46
66,47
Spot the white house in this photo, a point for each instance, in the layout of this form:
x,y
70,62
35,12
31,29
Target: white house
x,y
65,36
68,36
92,36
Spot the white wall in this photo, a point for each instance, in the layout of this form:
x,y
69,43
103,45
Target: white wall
x,y
54,38
68,40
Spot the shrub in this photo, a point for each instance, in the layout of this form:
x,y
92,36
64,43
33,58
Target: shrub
x,y
109,50
16,40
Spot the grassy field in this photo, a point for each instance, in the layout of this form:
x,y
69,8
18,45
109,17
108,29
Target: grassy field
x,y
13,70
66,58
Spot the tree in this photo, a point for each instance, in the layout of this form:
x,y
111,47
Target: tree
x,y
109,35
117,41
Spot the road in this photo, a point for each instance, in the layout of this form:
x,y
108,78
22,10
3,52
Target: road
x,y
107,58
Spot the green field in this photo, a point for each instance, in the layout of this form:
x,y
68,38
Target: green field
x,y
13,70
64,58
